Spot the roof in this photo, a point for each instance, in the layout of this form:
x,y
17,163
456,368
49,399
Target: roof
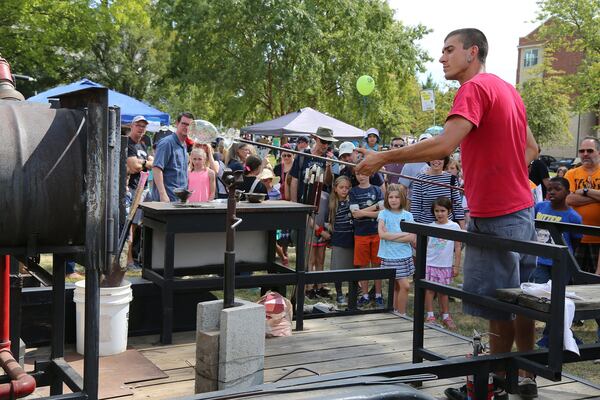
x,y
129,106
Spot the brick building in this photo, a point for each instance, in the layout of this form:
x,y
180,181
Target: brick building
x,y
531,56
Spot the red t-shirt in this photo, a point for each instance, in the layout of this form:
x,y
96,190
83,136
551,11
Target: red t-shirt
x,y
493,153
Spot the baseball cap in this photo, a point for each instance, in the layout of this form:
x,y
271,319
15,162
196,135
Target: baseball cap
x,y
138,118
424,136
346,148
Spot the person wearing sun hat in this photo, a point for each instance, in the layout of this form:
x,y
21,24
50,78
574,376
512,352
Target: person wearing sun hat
x,y
371,139
271,182
323,139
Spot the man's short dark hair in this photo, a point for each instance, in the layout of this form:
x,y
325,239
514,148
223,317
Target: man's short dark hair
x,y
472,37
186,114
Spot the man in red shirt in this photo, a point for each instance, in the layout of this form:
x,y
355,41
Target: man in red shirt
x,y
489,121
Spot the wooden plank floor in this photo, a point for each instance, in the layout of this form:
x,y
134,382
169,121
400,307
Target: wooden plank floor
x,y
325,346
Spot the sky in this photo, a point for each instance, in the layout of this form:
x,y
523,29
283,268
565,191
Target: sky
x,y
503,22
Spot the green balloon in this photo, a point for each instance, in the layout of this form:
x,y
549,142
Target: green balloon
x,y
365,85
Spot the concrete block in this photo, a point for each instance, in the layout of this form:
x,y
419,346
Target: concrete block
x,y
207,355
208,315
242,345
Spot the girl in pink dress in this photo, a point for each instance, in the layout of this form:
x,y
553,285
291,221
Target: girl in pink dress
x,y
201,179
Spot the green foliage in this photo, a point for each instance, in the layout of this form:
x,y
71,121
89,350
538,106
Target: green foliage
x,y
43,38
259,60
575,26
547,104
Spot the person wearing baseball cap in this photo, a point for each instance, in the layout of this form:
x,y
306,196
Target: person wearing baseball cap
x,y
138,160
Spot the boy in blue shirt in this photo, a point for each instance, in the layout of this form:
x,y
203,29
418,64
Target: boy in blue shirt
x,y
365,202
555,210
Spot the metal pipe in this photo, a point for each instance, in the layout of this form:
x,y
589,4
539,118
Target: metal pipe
x,y
21,384
229,278
327,159
5,304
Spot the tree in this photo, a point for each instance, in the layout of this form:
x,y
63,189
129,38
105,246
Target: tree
x,y
547,104
129,52
575,26
259,60
41,38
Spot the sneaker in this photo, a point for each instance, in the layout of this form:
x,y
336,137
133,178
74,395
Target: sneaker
x,y
362,301
528,388
449,324
379,302
323,293
430,320
456,394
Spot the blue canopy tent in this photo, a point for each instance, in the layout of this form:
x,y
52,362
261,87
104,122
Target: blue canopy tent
x,y
129,106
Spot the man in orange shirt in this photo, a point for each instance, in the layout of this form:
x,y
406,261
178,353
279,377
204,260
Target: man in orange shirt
x,y
584,184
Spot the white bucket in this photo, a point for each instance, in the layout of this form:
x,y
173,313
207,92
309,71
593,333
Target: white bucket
x,y
114,317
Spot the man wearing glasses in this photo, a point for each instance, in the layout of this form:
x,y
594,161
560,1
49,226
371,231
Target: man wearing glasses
x,y
396,143
323,139
584,184
171,161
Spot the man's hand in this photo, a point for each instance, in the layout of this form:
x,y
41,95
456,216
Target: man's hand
x,y
371,162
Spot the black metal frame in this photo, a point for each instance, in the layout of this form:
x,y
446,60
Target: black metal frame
x,y
277,275
544,363
56,371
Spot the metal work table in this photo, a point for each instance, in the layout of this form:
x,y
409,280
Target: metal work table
x,y
189,241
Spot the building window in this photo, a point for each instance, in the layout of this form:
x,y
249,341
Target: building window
x,y
530,57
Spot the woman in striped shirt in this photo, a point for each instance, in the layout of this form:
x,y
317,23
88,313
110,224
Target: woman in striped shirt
x,y
423,194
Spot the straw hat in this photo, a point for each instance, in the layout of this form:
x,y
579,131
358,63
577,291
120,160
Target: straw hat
x,y
267,173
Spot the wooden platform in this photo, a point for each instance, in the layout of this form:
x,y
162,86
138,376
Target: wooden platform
x,y
326,346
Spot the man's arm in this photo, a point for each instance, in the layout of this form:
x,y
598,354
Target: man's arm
x,y
160,184
578,199
531,151
436,148
134,165
294,190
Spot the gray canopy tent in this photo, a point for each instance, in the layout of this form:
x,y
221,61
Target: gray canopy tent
x,y
304,122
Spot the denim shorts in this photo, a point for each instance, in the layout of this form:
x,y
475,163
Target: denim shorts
x,y
486,270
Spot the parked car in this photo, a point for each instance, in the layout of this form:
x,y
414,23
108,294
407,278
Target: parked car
x,y
546,159
565,162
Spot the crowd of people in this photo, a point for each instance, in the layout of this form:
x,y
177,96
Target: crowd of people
x,y
484,189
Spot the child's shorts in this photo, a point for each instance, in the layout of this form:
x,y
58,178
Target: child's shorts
x,y
441,275
342,258
365,250
404,266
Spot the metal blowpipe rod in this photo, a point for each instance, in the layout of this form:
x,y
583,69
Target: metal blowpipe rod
x,y
327,159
